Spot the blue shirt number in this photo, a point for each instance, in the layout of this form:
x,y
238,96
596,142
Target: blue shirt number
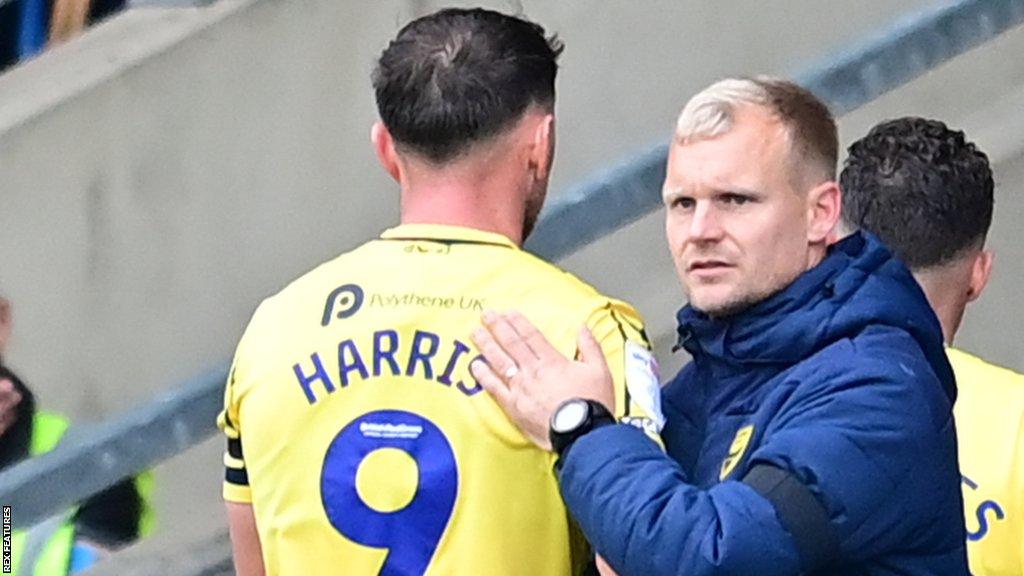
x,y
411,534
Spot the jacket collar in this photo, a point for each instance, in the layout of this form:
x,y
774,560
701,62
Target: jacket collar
x,y
859,285
784,327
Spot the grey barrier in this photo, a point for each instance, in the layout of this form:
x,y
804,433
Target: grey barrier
x,y
99,456
91,458
155,3
209,555
892,57
169,3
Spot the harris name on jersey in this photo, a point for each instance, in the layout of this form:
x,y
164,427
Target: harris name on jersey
x,y
388,353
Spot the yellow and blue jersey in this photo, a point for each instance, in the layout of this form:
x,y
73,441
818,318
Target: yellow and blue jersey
x,y
989,415
361,439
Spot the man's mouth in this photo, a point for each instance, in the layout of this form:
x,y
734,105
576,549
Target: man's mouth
x,y
707,265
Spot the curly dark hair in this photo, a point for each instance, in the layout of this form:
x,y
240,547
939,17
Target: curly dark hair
x,y
921,187
459,76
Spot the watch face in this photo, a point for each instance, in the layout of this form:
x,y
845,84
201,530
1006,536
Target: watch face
x,y
570,416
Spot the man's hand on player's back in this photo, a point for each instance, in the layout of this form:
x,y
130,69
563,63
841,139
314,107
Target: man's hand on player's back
x,y
529,378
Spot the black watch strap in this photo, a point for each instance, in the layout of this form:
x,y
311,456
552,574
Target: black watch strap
x,y
597,416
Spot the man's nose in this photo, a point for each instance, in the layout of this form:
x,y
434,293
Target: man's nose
x,y
705,225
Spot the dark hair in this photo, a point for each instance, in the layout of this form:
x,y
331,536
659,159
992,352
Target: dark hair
x,y
458,76
922,188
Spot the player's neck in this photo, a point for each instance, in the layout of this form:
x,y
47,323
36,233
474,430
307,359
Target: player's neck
x,y
489,202
945,292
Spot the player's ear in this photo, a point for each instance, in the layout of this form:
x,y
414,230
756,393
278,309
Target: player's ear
x,y
824,203
384,146
542,148
981,271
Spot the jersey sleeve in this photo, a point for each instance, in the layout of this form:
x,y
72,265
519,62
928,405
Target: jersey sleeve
x,y
236,477
620,331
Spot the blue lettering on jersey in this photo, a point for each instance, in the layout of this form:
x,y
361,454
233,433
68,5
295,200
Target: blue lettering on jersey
x,y
306,382
410,534
419,359
446,378
380,353
349,360
983,522
979,513
477,388
419,356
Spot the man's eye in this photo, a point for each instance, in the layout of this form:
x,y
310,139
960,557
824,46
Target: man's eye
x,y
685,203
735,199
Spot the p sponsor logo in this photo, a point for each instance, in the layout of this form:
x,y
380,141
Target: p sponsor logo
x,y
343,302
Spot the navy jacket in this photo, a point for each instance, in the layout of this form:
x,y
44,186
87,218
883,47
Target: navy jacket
x,y
840,380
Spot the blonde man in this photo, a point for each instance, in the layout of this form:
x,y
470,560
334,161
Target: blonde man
x,y
813,431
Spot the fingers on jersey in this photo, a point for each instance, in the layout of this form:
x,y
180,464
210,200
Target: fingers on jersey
x,y
498,364
534,339
511,372
495,386
511,341
590,351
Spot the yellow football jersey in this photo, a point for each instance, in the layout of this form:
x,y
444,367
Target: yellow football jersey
x,y
989,415
363,442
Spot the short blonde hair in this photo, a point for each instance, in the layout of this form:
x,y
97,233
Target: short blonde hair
x,y
811,126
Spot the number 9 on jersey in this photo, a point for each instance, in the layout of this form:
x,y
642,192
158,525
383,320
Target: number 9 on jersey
x,y
412,532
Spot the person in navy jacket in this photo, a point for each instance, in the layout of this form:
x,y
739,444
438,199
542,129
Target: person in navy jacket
x,y
812,433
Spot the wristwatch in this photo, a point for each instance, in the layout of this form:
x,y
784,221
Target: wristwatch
x,y
574,418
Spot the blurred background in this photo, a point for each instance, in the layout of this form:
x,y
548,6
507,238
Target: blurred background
x,y
167,168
